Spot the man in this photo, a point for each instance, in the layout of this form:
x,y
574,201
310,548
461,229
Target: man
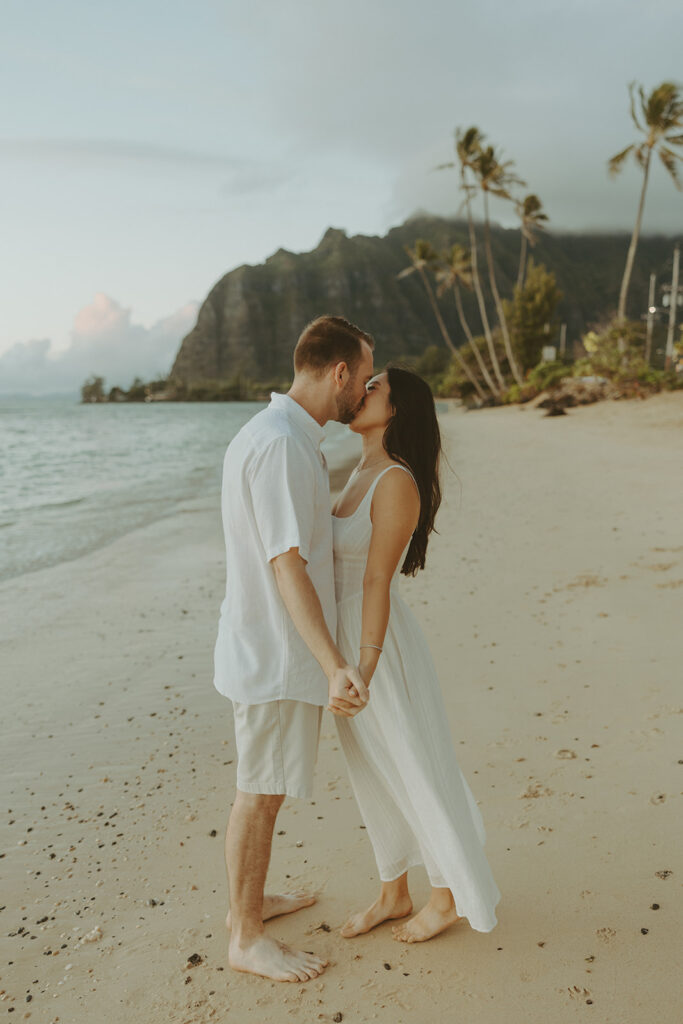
x,y
275,656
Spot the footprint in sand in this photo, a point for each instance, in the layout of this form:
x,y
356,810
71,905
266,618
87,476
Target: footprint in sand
x,y
577,992
658,798
535,789
606,934
586,579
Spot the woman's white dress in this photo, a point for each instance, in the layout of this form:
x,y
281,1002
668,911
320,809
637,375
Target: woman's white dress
x,y
414,800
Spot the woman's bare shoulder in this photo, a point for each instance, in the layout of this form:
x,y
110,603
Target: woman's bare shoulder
x,y
396,490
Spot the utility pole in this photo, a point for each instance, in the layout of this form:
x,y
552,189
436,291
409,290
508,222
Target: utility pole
x,y
650,317
672,312
563,340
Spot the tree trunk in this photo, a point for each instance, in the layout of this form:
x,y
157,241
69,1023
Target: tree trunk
x,y
447,338
496,297
480,299
475,348
626,280
521,273
673,309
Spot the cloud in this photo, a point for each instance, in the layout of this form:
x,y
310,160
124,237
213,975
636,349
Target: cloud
x,y
242,175
104,341
112,150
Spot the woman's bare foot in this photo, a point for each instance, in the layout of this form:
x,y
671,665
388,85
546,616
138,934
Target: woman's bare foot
x,y
381,910
426,924
270,958
281,903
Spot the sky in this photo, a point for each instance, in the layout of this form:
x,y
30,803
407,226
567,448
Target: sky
x,y
148,147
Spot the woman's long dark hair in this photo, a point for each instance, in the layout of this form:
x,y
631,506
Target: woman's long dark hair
x,y
413,437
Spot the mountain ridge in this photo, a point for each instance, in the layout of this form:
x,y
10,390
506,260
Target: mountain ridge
x,y
250,320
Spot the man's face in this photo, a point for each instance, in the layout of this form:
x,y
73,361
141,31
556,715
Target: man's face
x,y
351,397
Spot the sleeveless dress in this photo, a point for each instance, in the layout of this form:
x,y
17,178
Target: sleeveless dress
x,y
415,802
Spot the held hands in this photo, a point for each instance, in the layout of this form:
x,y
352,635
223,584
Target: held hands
x,y
348,693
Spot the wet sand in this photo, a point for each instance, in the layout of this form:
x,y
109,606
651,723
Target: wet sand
x,y
552,602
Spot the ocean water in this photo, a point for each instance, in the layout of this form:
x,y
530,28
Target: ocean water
x,y
75,477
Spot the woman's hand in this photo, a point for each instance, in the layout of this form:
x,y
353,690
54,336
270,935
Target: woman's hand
x,y
367,664
347,694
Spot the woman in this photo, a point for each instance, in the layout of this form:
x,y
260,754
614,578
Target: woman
x,y
415,802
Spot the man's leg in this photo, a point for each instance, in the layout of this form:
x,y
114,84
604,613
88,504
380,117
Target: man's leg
x,y
247,855
248,841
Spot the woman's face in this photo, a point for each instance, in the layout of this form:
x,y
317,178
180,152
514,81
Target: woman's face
x,y
376,410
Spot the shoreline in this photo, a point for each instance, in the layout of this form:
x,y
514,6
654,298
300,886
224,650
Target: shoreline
x,y
130,506
550,603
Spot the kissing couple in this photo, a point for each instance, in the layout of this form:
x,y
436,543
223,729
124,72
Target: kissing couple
x,y
312,620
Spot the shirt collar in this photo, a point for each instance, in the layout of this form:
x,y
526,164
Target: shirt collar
x,y
298,414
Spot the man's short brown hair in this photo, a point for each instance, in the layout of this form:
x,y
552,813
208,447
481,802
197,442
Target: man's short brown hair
x,y
328,340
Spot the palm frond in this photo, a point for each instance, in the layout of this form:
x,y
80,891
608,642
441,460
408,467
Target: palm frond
x,y
665,108
669,159
614,164
644,105
631,87
468,143
675,140
642,154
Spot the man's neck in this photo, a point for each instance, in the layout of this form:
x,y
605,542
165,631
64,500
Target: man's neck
x,y
315,405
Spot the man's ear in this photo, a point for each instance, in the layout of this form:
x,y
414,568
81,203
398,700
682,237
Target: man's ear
x,y
341,372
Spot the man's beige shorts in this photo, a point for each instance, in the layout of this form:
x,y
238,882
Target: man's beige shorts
x,y
277,746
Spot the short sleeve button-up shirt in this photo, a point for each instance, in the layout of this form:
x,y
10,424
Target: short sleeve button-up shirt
x,y
275,496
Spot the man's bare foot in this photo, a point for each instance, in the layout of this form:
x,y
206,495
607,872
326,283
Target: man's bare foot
x,y
381,910
281,903
425,925
270,958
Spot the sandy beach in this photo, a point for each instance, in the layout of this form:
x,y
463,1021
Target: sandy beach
x,y
552,602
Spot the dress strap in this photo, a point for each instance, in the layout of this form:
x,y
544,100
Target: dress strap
x,y
395,465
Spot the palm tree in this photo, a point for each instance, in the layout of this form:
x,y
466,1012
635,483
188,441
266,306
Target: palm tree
x,y
662,113
496,178
422,256
530,212
467,147
455,270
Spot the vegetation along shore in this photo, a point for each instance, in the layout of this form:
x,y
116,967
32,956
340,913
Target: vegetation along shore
x,y
488,315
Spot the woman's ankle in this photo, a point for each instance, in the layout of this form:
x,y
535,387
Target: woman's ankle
x,y
390,895
442,900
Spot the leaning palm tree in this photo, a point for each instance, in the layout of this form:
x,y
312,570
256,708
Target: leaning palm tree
x,y
467,147
422,256
662,114
496,179
532,218
454,271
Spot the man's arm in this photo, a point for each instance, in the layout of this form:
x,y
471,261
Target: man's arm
x,y
348,693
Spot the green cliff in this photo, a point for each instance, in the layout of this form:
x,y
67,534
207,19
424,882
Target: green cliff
x,y
249,322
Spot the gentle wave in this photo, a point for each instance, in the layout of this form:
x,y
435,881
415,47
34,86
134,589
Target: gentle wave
x,y
86,475
52,504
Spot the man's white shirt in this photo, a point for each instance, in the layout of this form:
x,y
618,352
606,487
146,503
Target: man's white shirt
x,y
275,496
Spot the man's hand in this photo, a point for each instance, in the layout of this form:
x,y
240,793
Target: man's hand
x,y
348,693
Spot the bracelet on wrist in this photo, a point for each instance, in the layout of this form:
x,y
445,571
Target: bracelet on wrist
x,y
371,645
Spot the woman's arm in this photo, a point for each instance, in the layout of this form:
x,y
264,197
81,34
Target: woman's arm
x,y
394,511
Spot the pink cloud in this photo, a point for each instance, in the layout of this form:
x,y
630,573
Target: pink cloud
x,y
104,341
